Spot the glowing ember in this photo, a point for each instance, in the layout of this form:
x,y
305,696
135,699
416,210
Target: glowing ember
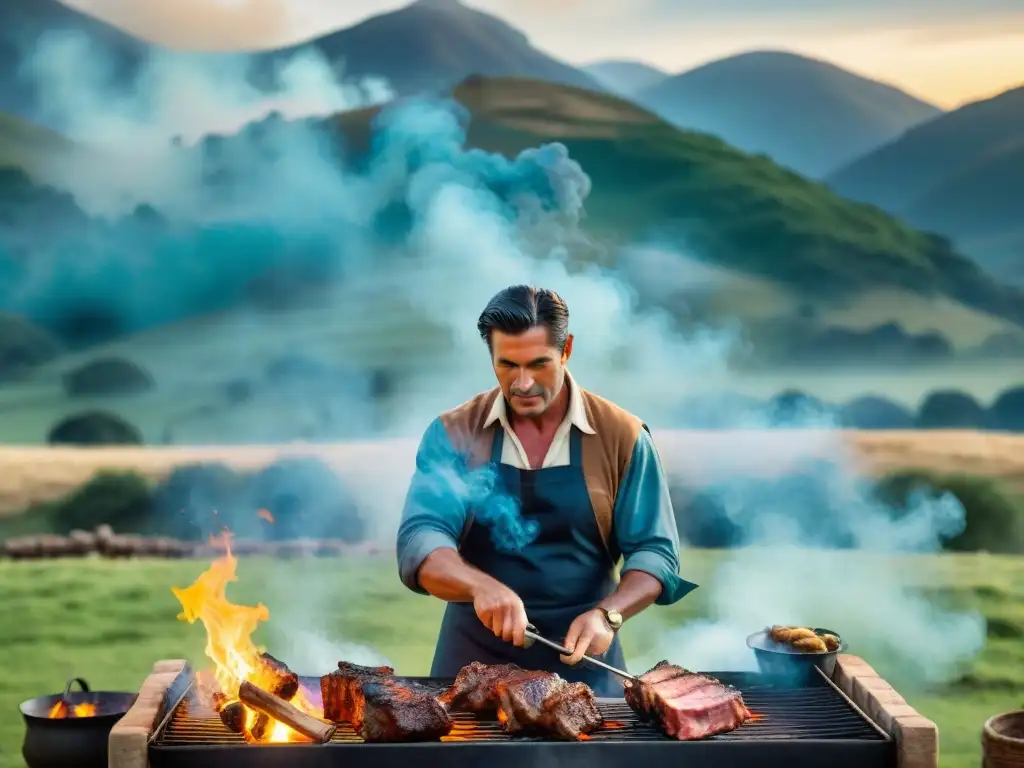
x,y
229,645
61,711
264,514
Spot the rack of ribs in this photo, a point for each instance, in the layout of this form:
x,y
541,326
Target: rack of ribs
x,y
686,705
380,707
526,701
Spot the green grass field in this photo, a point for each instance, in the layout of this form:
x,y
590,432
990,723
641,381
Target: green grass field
x,y
108,621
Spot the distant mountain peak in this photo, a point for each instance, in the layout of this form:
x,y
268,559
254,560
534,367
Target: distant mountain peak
x,y
444,5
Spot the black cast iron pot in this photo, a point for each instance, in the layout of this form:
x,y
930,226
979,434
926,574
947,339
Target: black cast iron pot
x,y
71,742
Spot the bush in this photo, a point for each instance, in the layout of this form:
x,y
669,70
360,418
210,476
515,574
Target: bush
x,y
94,428
198,500
949,409
994,516
306,499
110,376
122,500
793,408
23,345
874,412
1007,412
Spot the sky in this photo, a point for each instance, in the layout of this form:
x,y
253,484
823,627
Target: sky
x,y
946,51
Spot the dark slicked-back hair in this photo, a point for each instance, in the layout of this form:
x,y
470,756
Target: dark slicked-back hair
x,y
519,308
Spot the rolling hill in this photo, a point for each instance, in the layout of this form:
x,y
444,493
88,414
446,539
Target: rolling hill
x,y
806,114
769,232
625,77
432,45
961,174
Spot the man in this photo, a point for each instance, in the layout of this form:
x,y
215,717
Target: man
x,y
589,484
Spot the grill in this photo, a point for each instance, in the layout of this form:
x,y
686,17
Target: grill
x,y
816,725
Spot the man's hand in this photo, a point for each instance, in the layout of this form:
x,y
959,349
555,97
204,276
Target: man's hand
x,y
589,634
501,611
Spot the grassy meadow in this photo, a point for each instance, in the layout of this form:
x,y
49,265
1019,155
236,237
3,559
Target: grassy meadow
x,y
108,621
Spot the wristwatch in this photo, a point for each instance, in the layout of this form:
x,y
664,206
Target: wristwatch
x,y
613,617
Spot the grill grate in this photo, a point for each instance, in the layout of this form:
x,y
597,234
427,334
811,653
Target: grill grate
x,y
816,712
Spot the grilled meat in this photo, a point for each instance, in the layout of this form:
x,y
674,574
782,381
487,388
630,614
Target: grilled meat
x,y
341,691
790,634
685,704
803,639
476,686
542,702
395,712
810,645
381,708
832,642
286,682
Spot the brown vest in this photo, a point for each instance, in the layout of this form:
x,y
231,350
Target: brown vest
x,y
606,454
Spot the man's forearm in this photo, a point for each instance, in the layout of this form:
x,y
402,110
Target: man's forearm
x,y
635,592
446,576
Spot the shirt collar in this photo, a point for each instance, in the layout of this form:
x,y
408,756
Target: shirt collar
x,y
577,414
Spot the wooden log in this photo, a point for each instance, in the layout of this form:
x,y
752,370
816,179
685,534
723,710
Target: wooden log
x,y
313,728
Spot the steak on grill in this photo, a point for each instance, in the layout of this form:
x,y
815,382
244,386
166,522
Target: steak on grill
x,y
685,704
381,708
342,694
476,686
396,712
542,702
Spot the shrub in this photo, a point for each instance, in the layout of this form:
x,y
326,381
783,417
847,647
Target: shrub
x,y
94,428
23,345
793,408
110,376
198,500
1007,412
122,500
949,409
874,412
306,499
994,516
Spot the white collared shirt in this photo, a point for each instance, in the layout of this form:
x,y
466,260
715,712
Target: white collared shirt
x,y
512,451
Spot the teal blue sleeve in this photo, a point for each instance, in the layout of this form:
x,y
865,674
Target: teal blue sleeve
x,y
645,526
435,508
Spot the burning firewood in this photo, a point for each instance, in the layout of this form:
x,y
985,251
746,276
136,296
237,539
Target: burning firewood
x,y
286,682
233,715
280,710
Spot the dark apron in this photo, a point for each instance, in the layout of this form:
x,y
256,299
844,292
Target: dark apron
x,y
564,572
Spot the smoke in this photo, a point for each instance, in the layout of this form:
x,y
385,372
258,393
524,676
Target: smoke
x,y
362,259
816,546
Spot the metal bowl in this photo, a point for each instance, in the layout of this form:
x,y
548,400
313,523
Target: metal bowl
x,y
785,665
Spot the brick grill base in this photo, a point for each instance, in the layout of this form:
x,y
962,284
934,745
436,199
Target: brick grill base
x,y
917,738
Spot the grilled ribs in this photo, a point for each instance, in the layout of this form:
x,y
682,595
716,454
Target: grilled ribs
x,y
476,686
685,704
396,712
542,702
342,691
381,708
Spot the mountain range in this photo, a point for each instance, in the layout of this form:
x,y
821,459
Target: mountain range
x,y
804,114
961,174
807,115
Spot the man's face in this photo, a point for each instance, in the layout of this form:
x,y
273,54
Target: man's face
x,y
530,371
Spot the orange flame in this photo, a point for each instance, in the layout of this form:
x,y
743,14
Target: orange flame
x,y
61,711
229,645
264,514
